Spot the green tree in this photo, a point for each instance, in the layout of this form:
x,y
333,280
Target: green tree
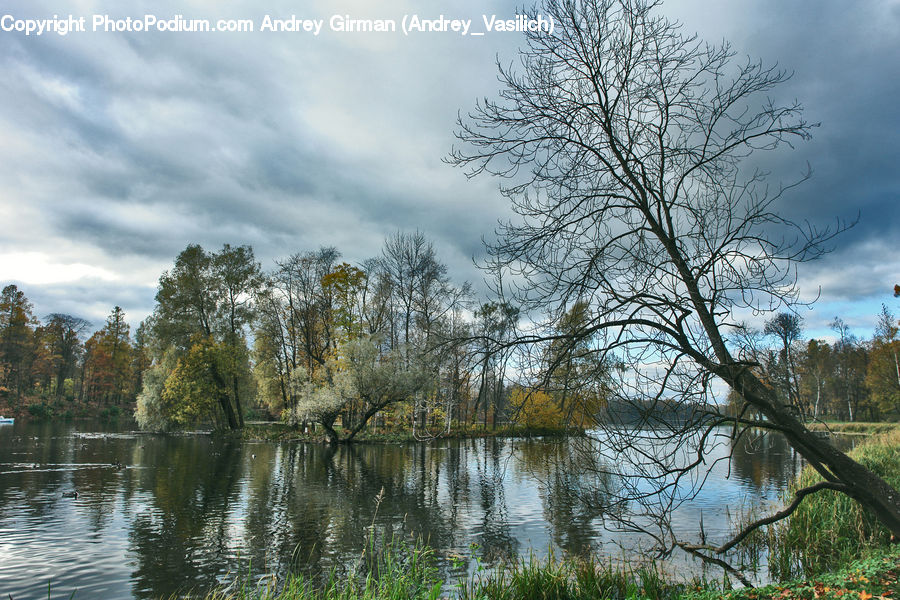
x,y
787,327
62,334
151,412
495,325
815,368
199,379
17,343
883,371
140,357
204,304
847,383
574,376
239,276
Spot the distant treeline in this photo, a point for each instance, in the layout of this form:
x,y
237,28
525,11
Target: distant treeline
x,y
58,364
851,379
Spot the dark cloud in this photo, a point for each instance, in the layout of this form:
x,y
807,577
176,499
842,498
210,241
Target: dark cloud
x,y
120,149
90,299
845,74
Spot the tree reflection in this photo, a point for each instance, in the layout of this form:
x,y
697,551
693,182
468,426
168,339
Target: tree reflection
x,y
576,484
191,511
495,539
764,459
180,534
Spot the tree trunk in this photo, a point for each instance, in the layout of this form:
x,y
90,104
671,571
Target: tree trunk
x,y
331,436
864,486
237,401
897,365
225,403
818,397
224,400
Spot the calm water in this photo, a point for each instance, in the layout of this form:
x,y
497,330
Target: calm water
x,y
186,511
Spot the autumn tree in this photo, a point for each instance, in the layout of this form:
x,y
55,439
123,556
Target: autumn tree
x,y
203,307
311,304
315,312
883,370
364,370
17,342
346,285
108,362
622,145
297,329
536,409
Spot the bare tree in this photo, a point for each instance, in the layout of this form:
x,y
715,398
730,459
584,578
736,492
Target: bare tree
x,y
64,340
622,144
787,328
418,284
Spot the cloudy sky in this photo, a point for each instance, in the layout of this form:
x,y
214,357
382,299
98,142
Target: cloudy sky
x,y
119,149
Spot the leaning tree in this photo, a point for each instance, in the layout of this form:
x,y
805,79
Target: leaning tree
x,y
627,149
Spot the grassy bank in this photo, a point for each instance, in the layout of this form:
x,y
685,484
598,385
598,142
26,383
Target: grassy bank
x,y
410,573
873,577
829,529
855,427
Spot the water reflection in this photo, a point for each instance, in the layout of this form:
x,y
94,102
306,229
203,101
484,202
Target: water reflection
x,y
185,511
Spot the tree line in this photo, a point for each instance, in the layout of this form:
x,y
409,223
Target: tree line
x,y
54,364
390,343
850,379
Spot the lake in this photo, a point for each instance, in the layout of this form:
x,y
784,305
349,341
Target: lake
x,y
158,514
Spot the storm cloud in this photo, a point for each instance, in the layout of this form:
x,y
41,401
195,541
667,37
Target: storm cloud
x,y
119,149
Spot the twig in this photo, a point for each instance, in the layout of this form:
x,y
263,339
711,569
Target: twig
x,y
798,498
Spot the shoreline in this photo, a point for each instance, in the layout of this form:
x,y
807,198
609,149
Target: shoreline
x,y
281,432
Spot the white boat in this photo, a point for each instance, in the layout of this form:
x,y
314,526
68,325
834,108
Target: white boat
x,y
6,420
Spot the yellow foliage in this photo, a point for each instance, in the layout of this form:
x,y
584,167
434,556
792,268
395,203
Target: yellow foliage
x,y
536,408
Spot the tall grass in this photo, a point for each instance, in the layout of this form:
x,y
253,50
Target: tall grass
x,y
409,572
571,579
829,529
396,572
826,533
